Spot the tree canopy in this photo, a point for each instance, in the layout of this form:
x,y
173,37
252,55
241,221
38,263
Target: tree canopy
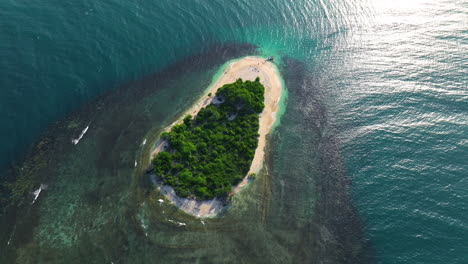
x,y
211,152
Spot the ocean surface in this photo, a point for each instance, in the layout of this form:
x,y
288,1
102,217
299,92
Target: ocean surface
x,y
368,164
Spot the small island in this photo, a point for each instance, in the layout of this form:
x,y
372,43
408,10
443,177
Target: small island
x,y
209,155
212,152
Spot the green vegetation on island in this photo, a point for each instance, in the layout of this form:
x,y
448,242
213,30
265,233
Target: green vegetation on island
x,y
212,152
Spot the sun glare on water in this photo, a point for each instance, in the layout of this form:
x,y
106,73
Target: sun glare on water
x,y
408,11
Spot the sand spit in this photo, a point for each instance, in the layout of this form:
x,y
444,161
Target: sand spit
x,y
247,68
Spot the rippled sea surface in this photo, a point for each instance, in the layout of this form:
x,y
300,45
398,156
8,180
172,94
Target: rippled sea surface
x,y
369,163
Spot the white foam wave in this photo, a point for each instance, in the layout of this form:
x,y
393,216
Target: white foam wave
x,y
178,223
75,141
37,192
11,235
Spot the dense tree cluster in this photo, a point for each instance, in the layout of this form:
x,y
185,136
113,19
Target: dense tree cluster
x,y
210,153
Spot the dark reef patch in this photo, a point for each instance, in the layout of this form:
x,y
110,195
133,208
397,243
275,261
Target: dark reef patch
x,y
333,232
111,117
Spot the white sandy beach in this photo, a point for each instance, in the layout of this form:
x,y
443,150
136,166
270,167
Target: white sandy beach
x,y
247,68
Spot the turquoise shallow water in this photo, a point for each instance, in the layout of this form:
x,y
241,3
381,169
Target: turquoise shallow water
x,y
368,163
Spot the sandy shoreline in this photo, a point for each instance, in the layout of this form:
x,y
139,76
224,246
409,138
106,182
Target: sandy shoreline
x,y
247,68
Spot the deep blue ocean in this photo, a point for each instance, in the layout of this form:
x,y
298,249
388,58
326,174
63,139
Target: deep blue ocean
x,y
369,163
